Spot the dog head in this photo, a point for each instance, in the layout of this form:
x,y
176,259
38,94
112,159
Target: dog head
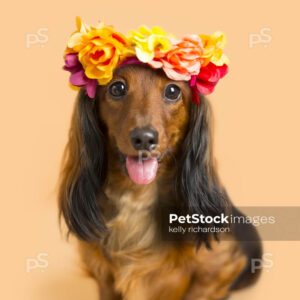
x,y
145,115
138,125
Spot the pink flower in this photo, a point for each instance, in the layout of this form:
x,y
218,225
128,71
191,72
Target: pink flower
x,y
183,60
78,77
205,82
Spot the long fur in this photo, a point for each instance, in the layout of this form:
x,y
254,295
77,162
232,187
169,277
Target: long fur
x,y
84,173
199,183
194,188
85,170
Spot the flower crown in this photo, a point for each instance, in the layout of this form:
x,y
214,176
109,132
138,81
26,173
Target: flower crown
x,y
93,53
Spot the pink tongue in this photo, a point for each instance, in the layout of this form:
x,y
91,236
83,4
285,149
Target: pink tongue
x,y
141,171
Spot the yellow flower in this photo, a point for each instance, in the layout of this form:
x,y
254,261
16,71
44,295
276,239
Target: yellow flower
x,y
148,42
213,48
100,49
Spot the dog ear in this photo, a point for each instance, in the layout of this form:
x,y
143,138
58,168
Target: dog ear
x,y
200,186
84,171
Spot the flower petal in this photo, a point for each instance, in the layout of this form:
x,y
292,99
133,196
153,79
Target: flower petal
x,y
144,30
176,75
220,39
91,88
143,55
223,70
71,60
158,30
195,94
205,88
156,64
78,78
161,42
75,40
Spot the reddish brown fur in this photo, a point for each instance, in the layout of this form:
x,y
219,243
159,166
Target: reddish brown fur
x,y
131,263
144,108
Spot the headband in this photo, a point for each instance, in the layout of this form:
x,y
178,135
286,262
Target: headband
x,y
93,53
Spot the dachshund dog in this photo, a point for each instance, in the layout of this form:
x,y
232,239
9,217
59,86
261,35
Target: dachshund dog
x,y
138,151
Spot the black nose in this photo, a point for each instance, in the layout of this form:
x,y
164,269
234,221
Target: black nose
x,y
144,138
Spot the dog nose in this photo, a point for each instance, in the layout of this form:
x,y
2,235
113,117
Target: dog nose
x,y
144,138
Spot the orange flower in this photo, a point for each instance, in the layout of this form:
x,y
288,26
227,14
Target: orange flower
x,y
100,49
183,60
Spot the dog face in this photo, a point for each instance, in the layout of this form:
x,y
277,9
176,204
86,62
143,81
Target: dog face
x,y
146,115
140,111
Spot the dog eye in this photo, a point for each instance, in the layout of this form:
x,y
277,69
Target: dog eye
x,y
172,93
117,90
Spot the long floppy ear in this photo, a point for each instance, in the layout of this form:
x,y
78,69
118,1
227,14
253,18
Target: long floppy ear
x,y
84,172
200,186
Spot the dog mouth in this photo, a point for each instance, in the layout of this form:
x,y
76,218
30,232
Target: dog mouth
x,y
141,169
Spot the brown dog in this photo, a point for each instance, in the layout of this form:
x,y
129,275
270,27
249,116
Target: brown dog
x,y
137,152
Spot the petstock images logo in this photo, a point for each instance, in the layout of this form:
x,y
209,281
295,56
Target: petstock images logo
x,y
271,223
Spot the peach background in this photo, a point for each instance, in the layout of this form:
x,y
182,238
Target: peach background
x,y
257,128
